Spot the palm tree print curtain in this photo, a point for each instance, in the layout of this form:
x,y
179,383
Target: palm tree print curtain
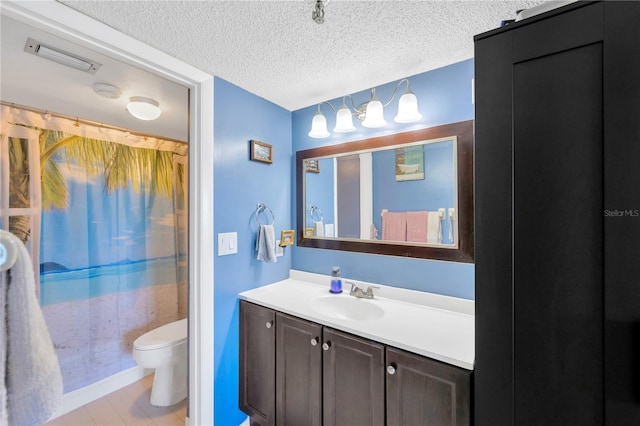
x,y
112,237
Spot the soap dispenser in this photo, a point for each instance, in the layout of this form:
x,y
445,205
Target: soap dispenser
x,y
336,282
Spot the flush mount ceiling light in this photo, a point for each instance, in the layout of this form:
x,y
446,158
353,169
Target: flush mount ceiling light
x,y
371,113
60,56
143,108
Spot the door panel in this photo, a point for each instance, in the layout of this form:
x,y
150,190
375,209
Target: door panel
x,y
353,373
558,238
299,372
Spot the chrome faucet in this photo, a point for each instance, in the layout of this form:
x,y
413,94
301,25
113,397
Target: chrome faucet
x,y
359,293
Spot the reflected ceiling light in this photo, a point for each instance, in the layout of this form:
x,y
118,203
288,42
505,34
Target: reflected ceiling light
x,y
371,113
143,108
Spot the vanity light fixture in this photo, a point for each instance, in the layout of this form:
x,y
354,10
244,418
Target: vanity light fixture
x,y
371,113
144,108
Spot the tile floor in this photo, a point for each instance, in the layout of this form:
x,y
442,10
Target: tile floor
x,y
127,406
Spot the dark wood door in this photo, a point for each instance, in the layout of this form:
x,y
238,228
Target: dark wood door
x,y
299,372
257,363
558,238
422,391
622,212
540,224
353,373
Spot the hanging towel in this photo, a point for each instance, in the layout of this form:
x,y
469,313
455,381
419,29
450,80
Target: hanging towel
x,y
417,227
266,244
32,379
319,228
373,232
434,228
394,226
329,230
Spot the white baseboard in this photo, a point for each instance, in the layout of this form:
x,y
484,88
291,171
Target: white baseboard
x,y
83,396
246,422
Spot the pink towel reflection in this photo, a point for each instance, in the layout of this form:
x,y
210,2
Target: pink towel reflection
x,y
417,227
394,226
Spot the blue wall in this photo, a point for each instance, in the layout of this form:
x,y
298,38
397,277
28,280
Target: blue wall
x,y
320,192
444,96
240,184
436,189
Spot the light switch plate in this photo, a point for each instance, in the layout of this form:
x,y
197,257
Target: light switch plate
x,y
279,249
227,243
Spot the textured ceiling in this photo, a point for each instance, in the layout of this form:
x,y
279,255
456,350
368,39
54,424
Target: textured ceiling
x,y
274,49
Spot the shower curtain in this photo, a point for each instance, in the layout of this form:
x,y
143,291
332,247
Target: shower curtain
x,y
108,233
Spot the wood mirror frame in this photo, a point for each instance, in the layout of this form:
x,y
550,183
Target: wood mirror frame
x,y
464,253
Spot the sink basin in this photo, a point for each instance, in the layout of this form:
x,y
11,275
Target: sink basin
x,y
349,308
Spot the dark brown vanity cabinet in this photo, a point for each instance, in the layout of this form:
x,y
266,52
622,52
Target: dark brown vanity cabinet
x,y
422,391
353,373
308,374
257,363
557,224
299,372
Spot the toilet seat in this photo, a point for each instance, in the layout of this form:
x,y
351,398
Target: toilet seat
x,y
167,335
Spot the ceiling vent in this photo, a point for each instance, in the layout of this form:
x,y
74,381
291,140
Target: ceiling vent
x,y
61,57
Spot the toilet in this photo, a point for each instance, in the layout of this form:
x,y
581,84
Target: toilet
x,y
165,350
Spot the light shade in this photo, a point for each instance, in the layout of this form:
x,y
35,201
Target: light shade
x,y
344,120
408,109
143,108
319,126
375,114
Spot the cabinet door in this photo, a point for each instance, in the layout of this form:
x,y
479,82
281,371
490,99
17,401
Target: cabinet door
x,y
353,373
257,363
539,239
299,372
421,391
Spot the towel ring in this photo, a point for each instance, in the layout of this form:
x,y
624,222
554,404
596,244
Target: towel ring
x,y
262,207
313,209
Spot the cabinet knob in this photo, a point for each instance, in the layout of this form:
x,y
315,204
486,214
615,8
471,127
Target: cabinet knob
x,y
391,369
268,324
314,342
326,346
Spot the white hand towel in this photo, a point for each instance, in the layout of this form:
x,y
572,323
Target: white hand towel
x,y
33,380
319,227
434,228
266,244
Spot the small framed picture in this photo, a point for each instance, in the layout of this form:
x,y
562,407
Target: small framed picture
x,y
312,166
308,232
286,237
261,151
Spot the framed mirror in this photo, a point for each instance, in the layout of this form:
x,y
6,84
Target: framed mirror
x,y
408,194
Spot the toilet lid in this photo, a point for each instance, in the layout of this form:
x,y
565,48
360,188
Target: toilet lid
x,y
170,334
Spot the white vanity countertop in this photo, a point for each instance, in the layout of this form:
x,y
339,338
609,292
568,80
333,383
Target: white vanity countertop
x,y
439,327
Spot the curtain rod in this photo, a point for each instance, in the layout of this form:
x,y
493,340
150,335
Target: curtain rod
x,y
87,122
